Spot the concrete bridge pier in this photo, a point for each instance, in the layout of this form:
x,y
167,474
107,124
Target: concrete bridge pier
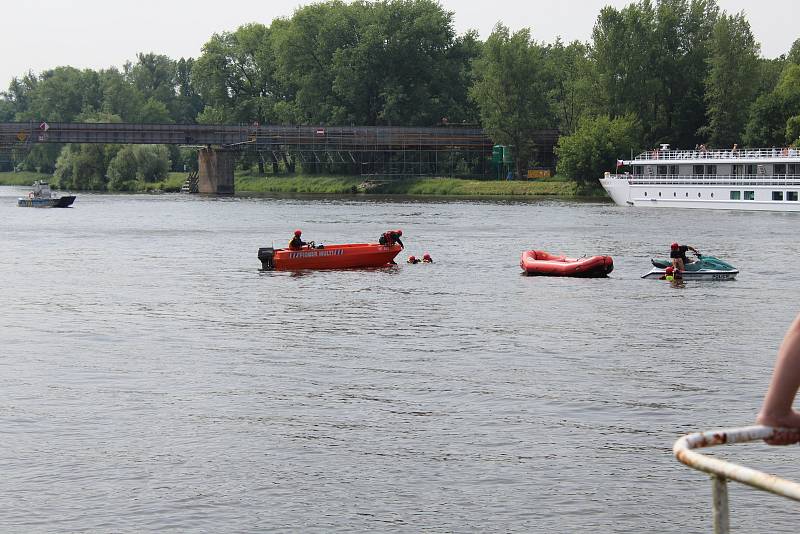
x,y
215,171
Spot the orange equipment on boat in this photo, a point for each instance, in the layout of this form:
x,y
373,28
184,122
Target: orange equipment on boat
x,y
541,263
346,256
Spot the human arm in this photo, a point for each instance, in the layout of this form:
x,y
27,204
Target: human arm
x,y
777,410
399,242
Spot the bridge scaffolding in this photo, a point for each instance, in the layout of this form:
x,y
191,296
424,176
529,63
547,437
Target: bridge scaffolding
x,y
367,150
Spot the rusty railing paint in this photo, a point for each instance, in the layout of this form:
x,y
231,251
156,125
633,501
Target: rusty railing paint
x,y
722,471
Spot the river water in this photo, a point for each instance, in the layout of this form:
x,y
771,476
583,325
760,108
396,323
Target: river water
x,y
153,378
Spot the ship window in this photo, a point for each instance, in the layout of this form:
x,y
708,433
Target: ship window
x,y
750,170
779,169
777,195
794,168
749,195
736,195
791,196
673,170
662,170
738,169
698,170
711,169
638,170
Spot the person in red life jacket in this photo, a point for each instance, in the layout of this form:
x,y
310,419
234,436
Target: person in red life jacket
x,y
391,237
413,259
296,243
426,258
671,274
678,255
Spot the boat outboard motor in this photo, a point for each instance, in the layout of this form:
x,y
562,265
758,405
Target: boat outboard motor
x,y
266,255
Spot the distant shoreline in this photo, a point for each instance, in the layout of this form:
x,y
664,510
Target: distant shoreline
x,y
247,183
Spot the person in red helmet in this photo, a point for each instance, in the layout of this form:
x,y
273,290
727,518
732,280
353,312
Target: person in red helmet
x,y
426,258
391,237
678,255
413,259
296,243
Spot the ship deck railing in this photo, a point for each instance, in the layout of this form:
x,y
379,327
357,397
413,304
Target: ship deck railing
x,y
721,471
739,153
709,179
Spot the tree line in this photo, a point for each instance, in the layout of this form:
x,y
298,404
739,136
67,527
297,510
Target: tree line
x,y
665,71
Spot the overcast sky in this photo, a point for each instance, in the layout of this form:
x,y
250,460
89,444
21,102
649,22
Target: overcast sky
x,y
41,34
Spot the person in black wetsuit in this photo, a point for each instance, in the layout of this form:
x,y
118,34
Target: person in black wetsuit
x,y
296,243
678,255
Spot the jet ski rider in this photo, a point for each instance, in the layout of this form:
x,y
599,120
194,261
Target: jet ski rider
x,y
678,255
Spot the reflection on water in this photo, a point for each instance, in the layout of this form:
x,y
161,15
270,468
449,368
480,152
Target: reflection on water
x,y
153,378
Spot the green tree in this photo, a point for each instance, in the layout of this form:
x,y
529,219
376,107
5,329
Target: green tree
x,y
188,102
154,75
152,162
120,97
508,89
731,84
236,75
394,62
82,167
622,51
122,170
794,53
63,93
596,145
651,60
570,73
793,130
305,47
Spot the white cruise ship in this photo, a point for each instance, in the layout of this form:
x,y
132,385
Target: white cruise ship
x,y
766,179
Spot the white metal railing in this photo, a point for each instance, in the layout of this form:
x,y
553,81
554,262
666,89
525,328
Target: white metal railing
x,y
722,471
708,179
740,153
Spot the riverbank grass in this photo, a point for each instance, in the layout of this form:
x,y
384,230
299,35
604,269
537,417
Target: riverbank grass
x,y
246,182
423,186
23,178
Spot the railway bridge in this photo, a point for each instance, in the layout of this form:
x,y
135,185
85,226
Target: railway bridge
x,y
374,150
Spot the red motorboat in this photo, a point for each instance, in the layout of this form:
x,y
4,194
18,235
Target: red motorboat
x,y
346,256
541,263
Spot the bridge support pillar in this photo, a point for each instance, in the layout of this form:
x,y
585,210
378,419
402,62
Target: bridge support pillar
x,y
215,171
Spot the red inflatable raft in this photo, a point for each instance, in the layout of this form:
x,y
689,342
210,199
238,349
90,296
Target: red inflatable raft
x,y
540,263
347,256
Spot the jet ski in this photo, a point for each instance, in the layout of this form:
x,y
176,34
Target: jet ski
x,y
703,268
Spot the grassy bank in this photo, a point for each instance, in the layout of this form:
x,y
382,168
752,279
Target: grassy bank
x,y
343,185
172,182
402,186
23,178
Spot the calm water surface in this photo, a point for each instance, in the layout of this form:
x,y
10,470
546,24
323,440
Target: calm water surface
x,y
153,378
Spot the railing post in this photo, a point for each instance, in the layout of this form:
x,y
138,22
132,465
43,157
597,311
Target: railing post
x,y
719,493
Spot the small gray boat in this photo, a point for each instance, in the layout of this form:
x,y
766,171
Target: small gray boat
x,y
43,197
